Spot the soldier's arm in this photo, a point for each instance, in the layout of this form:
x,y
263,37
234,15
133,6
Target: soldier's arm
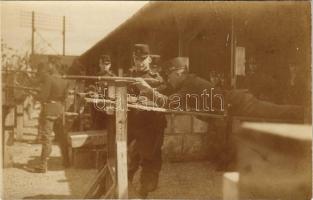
x,y
151,93
245,104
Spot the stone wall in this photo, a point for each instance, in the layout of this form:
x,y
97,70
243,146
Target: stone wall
x,y
186,138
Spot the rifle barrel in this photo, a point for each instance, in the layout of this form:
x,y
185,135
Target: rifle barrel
x,y
21,87
109,78
16,71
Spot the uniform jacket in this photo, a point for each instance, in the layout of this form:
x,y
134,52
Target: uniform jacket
x,y
52,94
148,120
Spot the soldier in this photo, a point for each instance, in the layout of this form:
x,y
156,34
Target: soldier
x,y
52,95
242,103
146,129
259,83
105,66
99,116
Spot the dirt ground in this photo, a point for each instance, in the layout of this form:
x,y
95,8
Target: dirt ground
x,y
177,180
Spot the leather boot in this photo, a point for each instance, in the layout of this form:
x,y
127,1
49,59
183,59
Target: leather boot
x,y
148,183
42,167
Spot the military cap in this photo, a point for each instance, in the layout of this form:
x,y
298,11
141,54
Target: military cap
x,y
105,58
141,50
176,64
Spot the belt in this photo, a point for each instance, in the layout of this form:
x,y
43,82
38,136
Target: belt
x,y
52,102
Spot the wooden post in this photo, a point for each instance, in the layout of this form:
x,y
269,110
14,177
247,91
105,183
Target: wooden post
x,y
33,33
19,121
232,55
121,140
63,34
111,155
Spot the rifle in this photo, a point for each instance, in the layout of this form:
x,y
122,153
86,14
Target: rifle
x,y
110,78
98,78
8,71
28,89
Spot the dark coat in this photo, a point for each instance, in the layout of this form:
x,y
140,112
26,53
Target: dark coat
x,y
149,118
241,103
53,88
52,93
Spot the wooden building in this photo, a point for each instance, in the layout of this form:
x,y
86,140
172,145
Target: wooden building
x,y
217,36
223,36
209,33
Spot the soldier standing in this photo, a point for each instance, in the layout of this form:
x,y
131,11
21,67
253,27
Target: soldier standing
x,y
52,96
145,128
105,66
99,116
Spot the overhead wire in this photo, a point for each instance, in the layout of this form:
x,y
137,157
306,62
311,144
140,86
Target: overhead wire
x,y
48,43
45,22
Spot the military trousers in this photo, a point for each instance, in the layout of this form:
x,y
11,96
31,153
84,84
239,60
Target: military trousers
x,y
48,126
145,151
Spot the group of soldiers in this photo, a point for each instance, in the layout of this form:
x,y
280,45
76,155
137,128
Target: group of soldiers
x,y
146,128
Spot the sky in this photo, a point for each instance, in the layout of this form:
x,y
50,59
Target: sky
x,y
86,23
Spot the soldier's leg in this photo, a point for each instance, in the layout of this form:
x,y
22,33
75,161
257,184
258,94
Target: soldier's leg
x,y
133,156
150,144
93,113
62,140
217,137
225,149
40,127
151,168
47,137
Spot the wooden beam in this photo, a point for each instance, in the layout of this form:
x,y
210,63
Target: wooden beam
x,y
232,55
157,109
19,121
121,140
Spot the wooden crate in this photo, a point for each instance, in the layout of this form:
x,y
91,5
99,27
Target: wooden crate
x,y
87,148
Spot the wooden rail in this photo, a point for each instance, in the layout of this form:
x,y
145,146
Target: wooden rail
x,y
156,109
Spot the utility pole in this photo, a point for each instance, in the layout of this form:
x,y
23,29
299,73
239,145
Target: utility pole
x,y
33,32
43,22
63,33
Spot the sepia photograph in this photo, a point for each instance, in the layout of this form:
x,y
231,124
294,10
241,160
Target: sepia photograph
x,y
156,100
